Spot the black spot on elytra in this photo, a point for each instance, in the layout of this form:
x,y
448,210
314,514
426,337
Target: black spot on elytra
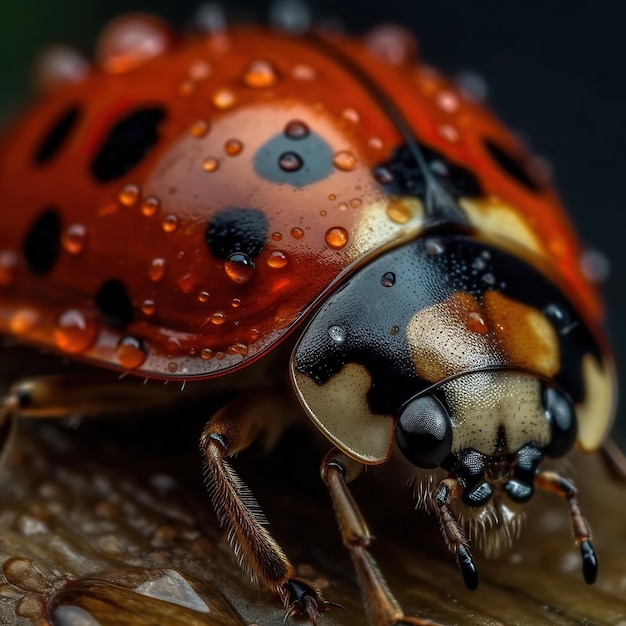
x,y
237,230
43,242
294,159
402,175
512,165
57,135
127,143
114,303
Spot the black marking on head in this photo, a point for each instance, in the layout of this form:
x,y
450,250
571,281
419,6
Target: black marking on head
x,y
296,161
403,175
237,230
43,243
127,143
512,165
114,304
57,135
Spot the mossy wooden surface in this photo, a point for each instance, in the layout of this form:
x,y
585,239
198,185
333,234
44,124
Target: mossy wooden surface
x,y
112,518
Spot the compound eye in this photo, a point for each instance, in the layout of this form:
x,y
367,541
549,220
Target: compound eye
x,y
424,432
563,423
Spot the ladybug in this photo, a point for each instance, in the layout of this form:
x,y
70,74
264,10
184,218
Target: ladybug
x,y
202,207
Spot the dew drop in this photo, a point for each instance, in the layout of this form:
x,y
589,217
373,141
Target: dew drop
x,y
383,175
332,197
398,211
238,348
254,334
169,223
131,352
356,203
186,283
8,263
394,44
337,333
239,267
172,367
206,354
434,247
276,236
388,279
476,323
224,99
290,161
218,318
233,147
394,330
129,195
344,160
260,74
75,331
148,307
22,321
303,72
351,115
343,206
220,356
295,129
323,213
74,238
560,318
297,233
203,296
157,269
375,143
447,101
277,259
449,133
199,70
150,206
210,164
199,129
235,303
489,279
336,237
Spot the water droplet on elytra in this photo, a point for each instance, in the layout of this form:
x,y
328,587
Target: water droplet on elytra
x,y
150,206
203,296
297,233
74,238
238,348
210,164
290,162
336,237
129,195
172,367
148,307
218,318
388,279
344,160
199,129
337,333
239,267
157,269
277,259
233,147
224,99
130,352
276,236
296,129
23,320
260,74
476,323
398,211
206,354
170,223
75,331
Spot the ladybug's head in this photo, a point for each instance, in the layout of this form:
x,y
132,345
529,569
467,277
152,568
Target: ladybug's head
x,y
490,430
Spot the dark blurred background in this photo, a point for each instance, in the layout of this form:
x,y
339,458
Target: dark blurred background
x,y
554,71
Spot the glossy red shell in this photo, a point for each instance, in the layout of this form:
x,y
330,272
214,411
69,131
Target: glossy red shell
x,y
223,98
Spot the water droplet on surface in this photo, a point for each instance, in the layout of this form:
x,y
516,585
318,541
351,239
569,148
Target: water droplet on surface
x,y
172,367
447,101
23,320
276,236
394,330
233,147
388,279
290,162
173,588
199,129
277,259
224,99
75,331
398,211
74,238
476,323
218,318
344,160
489,279
394,44
260,74
336,237
169,223
254,334
210,164
297,233
449,133
303,72
150,206
239,267
238,348
337,333
131,352
220,356
8,263
129,195
148,307
295,129
199,70
479,264
206,354
560,318
235,303
157,269
383,175
203,296
332,197
351,115
57,66
356,203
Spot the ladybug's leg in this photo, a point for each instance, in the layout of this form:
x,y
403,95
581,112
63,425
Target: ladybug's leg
x,y
231,430
551,481
383,609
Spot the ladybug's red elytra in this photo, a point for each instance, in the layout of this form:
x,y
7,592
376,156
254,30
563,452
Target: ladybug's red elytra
x,y
184,205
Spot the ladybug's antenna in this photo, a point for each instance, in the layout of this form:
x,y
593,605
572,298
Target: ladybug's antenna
x,y
440,206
